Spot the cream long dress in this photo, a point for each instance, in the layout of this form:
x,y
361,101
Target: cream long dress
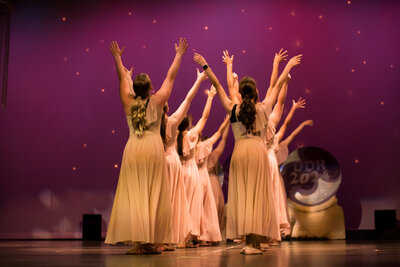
x,y
251,207
209,221
191,179
142,205
277,181
180,208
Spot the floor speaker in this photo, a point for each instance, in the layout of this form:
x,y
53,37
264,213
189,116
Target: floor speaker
x,y
385,219
91,227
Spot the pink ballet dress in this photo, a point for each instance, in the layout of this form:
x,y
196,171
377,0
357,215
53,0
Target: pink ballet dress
x,y
251,207
209,221
282,153
142,209
277,181
191,179
180,208
212,162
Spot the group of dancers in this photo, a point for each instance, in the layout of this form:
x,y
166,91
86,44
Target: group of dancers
x,y
168,194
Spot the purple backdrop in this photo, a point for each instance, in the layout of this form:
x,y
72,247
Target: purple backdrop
x,y
62,136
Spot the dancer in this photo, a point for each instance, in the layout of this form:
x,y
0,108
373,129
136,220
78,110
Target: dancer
x,y
283,151
272,144
211,233
142,211
212,165
180,207
187,141
251,210
274,118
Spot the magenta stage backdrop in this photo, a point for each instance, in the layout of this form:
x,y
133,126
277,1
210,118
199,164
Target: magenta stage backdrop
x,y
64,130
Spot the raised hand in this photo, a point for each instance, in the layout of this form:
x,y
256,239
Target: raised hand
x,y
128,72
299,104
114,49
181,47
212,92
226,58
199,59
294,61
201,75
280,56
235,76
309,123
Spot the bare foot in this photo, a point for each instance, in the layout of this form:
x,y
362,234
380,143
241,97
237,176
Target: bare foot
x,y
181,245
205,244
264,246
135,251
149,249
168,247
238,241
251,251
190,244
274,243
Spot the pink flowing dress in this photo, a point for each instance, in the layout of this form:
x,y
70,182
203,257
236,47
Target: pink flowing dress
x,y
212,162
191,178
142,209
277,181
282,153
251,206
209,221
180,208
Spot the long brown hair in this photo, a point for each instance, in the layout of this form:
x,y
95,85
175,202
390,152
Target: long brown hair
x,y
247,113
164,124
182,127
142,87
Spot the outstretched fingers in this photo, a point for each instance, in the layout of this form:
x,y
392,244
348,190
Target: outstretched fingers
x,y
182,46
199,59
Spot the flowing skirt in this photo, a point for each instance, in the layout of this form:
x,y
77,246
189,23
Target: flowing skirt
x,y
180,208
279,193
219,199
251,207
209,221
194,194
142,209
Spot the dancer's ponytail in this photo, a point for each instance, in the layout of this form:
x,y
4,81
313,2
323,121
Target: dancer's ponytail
x,y
164,125
247,113
138,113
181,128
142,87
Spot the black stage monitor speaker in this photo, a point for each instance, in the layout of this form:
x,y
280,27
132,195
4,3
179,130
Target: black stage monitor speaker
x,y
91,228
385,219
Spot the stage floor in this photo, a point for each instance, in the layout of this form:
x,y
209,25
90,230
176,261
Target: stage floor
x,y
294,253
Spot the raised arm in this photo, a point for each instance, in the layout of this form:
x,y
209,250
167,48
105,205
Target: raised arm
x,y
221,145
124,76
271,98
226,102
290,138
213,139
276,114
230,78
296,105
163,94
279,57
206,112
180,113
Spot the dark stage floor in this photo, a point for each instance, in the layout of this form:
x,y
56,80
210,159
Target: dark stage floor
x,y
296,253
